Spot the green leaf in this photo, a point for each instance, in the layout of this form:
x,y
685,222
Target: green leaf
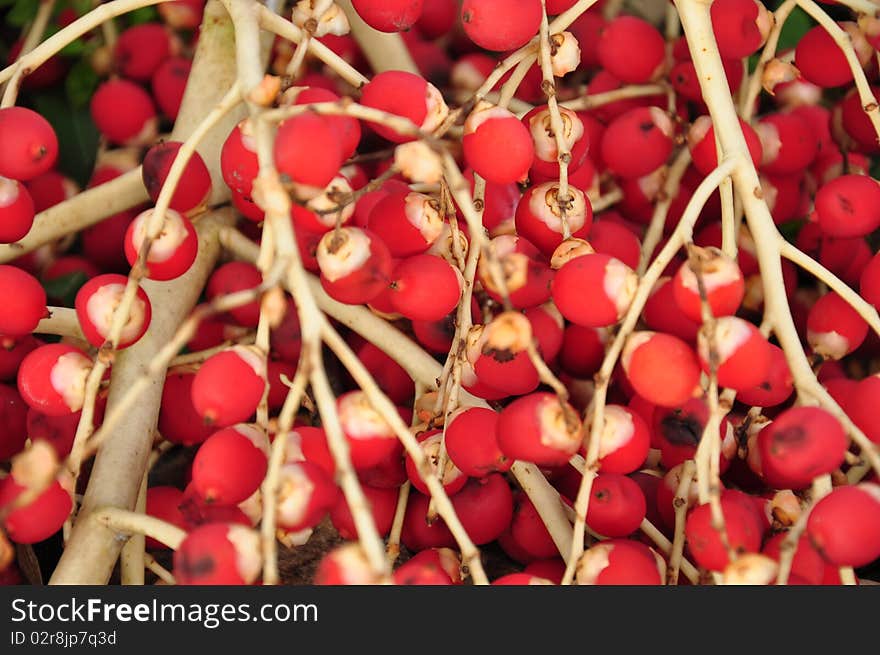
x,y
81,6
6,3
142,15
790,229
797,24
77,134
22,12
64,288
80,84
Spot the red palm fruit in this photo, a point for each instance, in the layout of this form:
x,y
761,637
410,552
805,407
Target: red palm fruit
x,y
620,562
834,328
538,428
484,507
499,25
704,543
661,368
845,257
802,443
171,253
239,368
527,273
613,281
218,554
348,129
609,237
164,503
577,141
13,422
96,303
784,195
788,143
435,566
322,212
233,277
382,504
701,142
38,519
238,159
869,283
52,379
389,15
370,438
498,353
744,355
499,205
345,565
861,404
722,280
438,17
547,328
137,125
425,288
490,130
407,95
16,210
472,443
775,388
417,533
30,146
631,49
178,420
195,183
24,302
306,494
140,49
662,313
453,479
624,440
355,265
312,441
821,61
408,223
844,526
539,216
391,376
807,562
527,539
50,189
637,142
547,569
855,121
196,511
583,349
848,206
677,432
666,493
308,151
169,84
230,465
617,505
740,26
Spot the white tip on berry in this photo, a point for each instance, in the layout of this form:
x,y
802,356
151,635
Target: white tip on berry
x,y
342,252
68,378
172,234
565,53
249,561
423,214
418,162
620,284
360,418
102,304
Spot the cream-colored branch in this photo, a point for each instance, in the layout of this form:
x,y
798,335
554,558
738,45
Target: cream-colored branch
x,y
118,469
62,321
79,212
124,524
35,33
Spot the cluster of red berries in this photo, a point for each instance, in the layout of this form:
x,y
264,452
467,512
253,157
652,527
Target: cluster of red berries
x,y
558,283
